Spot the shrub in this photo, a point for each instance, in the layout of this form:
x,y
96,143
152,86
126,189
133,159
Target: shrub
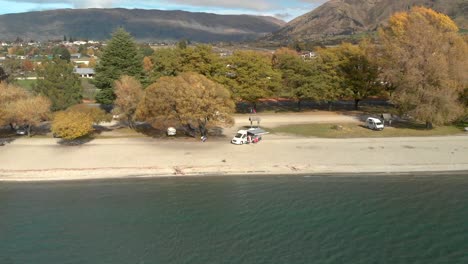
x,y
72,124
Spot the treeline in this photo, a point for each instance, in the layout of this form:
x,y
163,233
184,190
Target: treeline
x,y
418,61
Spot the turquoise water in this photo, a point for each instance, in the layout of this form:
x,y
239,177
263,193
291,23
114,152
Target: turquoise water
x,y
401,219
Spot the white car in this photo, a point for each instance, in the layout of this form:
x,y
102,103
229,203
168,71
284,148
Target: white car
x,y
171,131
374,124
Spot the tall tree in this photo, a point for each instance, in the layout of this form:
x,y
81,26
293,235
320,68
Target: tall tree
x,y
166,62
329,78
129,93
252,76
427,61
360,73
300,77
57,81
120,57
189,99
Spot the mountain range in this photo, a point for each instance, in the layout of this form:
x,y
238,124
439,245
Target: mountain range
x,y
342,18
144,25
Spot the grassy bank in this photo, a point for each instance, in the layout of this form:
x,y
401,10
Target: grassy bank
x,y
359,131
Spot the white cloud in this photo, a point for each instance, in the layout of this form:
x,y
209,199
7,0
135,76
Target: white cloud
x,y
92,3
258,5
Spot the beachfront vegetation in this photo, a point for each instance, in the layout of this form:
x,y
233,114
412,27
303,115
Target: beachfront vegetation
x,y
129,92
120,57
426,61
190,100
70,125
19,108
97,114
57,82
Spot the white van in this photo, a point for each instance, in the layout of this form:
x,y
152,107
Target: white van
x,y
374,124
252,135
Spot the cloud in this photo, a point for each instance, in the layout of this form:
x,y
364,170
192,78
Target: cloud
x,y
73,3
259,5
92,3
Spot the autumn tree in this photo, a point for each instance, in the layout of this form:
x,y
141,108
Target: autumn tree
x,y
200,59
9,94
329,78
57,81
251,76
97,114
28,112
72,124
120,57
166,62
189,99
300,78
129,93
425,59
360,74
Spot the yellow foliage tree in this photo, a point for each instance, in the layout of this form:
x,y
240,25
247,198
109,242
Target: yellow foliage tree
x,y
72,124
147,64
424,58
129,92
29,111
19,108
189,99
97,114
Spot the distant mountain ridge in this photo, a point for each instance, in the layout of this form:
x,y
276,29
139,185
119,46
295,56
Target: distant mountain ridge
x,y
348,17
144,25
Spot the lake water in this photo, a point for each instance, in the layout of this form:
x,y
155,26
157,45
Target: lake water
x,y
290,219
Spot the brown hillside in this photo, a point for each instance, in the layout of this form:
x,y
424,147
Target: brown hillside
x,y
348,17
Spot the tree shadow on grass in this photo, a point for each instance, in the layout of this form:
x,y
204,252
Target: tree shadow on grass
x,y
99,129
160,133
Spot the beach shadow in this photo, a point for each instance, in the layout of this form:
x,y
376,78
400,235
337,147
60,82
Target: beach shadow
x,y
75,142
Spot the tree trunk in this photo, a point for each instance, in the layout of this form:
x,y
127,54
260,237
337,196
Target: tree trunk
x,y
131,125
299,107
429,125
12,127
330,105
29,130
202,127
356,104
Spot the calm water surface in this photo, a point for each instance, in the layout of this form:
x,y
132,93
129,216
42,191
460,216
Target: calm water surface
x,y
401,219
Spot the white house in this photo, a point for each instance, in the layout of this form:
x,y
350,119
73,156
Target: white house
x,y
85,72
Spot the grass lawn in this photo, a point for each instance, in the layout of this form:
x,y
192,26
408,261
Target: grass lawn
x,y
359,131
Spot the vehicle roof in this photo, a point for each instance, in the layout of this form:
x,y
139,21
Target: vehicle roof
x,y
373,119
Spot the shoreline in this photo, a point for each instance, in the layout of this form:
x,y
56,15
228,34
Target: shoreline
x,y
80,178
43,160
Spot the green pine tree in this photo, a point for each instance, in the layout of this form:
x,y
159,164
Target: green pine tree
x,y
57,81
120,57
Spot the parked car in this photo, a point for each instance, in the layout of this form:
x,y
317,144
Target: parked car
x,y
21,131
171,131
374,124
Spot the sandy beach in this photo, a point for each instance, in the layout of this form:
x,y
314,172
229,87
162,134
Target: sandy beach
x,y
42,159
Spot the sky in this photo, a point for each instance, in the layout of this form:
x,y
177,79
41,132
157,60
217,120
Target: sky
x,y
284,9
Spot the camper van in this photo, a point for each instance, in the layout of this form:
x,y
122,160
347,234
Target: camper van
x,y
252,135
374,124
